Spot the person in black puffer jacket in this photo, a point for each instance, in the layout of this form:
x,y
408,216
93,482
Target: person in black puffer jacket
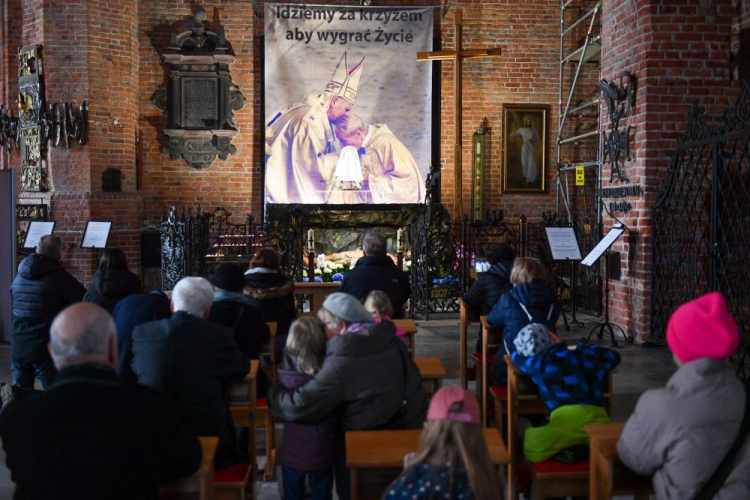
x,y
273,292
41,289
489,286
530,290
112,281
377,271
232,309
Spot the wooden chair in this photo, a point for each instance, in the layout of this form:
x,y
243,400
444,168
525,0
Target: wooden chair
x,y
607,475
468,316
551,478
483,361
272,366
200,484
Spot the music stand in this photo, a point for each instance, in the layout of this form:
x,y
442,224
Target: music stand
x,y
602,248
563,246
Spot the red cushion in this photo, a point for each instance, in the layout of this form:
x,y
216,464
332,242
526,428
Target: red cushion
x,y
553,466
477,356
499,391
261,402
233,474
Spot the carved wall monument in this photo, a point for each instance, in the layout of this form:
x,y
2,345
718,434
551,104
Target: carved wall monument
x,y
199,97
30,106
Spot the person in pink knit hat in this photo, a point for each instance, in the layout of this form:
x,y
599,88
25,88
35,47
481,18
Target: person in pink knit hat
x,y
682,433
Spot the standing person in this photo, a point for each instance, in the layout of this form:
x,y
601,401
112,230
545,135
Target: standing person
x,y
271,291
529,140
299,138
192,361
682,433
112,281
453,460
391,173
531,300
307,450
130,312
40,290
88,437
377,271
368,376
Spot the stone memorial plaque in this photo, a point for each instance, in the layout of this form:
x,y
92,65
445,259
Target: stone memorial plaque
x,y
200,103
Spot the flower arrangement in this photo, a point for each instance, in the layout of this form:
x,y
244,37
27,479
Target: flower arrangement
x,y
327,271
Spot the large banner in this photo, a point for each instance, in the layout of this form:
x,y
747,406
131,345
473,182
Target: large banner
x,y
347,105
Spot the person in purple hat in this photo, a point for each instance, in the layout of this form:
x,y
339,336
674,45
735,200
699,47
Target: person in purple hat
x,y
683,434
453,460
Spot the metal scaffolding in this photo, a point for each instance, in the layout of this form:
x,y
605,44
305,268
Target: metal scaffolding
x,y
574,16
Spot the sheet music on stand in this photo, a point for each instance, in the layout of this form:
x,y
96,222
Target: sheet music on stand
x,y
96,234
563,243
603,245
36,230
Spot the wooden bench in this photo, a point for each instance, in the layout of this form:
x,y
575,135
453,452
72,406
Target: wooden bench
x,y
200,484
386,450
551,478
432,371
607,475
410,327
249,411
483,361
468,316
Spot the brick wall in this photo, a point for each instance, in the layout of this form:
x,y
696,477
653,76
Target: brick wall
x,y
680,53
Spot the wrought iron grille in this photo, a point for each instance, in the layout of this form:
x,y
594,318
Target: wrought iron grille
x,y
701,220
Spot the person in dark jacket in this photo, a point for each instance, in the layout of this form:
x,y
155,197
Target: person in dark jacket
x,y
530,291
192,360
489,286
273,292
41,289
232,309
368,376
130,312
307,450
377,271
88,437
112,281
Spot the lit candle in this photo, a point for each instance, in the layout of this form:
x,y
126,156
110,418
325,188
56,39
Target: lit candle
x,y
310,241
400,241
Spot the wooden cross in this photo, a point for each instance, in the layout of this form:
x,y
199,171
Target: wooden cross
x,y
457,56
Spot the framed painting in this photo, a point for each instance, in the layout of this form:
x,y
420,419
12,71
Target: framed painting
x,y
525,134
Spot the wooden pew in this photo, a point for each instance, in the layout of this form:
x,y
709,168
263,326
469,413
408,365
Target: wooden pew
x,y
200,484
607,475
468,316
386,450
433,372
483,361
316,292
270,353
410,327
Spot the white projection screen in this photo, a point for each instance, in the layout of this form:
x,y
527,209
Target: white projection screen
x,y
348,109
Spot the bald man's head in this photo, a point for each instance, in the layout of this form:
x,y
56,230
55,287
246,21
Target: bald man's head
x,y
83,333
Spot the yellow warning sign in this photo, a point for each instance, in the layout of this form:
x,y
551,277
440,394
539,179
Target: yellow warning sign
x,y
580,177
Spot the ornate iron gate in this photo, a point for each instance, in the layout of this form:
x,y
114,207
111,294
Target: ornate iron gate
x,y
701,220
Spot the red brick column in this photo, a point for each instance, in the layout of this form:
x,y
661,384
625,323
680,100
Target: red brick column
x,y
679,52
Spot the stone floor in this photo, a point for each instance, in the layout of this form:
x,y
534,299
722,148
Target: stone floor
x,y
641,369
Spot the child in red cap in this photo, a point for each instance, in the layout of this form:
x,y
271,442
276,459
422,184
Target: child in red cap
x,y
452,460
682,432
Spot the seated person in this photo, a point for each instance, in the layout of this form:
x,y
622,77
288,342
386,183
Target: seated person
x,y
232,309
376,271
683,432
368,376
570,382
453,460
531,300
379,305
112,281
307,450
192,360
130,312
271,291
89,437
